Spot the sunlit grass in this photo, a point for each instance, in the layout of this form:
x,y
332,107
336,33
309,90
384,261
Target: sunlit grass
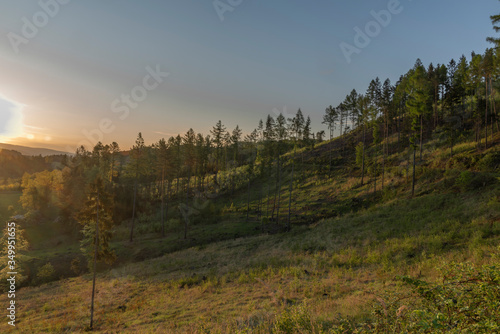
x,y
337,267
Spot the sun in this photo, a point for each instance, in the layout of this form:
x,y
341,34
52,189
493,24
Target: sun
x,y
11,119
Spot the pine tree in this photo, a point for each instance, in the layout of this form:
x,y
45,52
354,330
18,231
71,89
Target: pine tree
x,y
365,109
330,118
217,133
164,167
487,71
235,139
297,125
495,19
97,221
418,98
417,104
136,170
307,132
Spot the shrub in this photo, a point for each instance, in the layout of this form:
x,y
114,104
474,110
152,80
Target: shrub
x,y
490,162
431,174
467,300
294,320
45,273
464,180
482,180
76,266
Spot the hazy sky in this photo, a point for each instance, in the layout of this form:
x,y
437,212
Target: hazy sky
x,y
80,69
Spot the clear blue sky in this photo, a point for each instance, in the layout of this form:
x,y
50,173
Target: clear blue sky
x,y
264,57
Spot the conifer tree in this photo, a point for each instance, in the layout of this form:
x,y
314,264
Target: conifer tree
x,y
330,118
136,170
218,132
97,221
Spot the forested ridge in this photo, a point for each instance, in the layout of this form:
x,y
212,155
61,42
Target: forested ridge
x,y
453,103
387,221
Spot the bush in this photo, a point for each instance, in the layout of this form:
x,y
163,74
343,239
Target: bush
x,y
294,320
76,266
45,274
467,300
464,180
490,162
431,174
461,161
482,180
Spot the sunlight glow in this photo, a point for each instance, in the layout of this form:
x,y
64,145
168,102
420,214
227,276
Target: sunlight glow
x,y
11,119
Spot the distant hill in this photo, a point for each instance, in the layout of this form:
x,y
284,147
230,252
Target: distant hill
x,y
32,151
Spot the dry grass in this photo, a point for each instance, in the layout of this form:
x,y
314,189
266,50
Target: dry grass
x,y
338,267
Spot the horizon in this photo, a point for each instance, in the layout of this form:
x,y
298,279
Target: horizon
x,y
112,79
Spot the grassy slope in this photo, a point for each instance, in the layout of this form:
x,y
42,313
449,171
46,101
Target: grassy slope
x,y
337,265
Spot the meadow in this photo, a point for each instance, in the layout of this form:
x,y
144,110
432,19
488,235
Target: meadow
x,y
343,274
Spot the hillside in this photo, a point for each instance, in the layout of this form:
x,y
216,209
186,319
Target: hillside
x,y
341,262
32,151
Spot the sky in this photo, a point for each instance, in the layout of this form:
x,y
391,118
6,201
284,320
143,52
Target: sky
x,y
74,72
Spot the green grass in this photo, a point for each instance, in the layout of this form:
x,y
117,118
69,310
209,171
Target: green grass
x,y
337,266
347,246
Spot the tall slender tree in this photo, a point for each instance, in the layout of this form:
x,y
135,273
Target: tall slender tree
x,y
366,109
418,98
330,118
96,217
218,132
136,170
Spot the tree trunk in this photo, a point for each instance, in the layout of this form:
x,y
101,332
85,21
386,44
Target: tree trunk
x,y
486,116
268,195
187,204
177,185
248,199
95,264
363,157
383,167
494,109
279,192
413,177
330,152
133,212
291,191
169,185
451,146
398,126
162,202
409,161
435,105
421,135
